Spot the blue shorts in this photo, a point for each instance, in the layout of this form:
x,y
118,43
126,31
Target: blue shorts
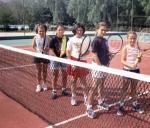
x,y
57,65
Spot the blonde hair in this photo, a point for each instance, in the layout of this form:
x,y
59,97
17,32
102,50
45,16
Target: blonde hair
x,y
131,32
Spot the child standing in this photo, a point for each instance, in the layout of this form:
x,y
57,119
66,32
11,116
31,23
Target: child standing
x,y
100,53
130,58
58,47
40,44
74,53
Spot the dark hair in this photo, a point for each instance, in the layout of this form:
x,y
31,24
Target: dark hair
x,y
98,25
59,25
40,26
76,26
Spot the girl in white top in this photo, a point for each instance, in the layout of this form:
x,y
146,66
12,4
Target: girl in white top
x,y
74,45
73,53
40,44
130,58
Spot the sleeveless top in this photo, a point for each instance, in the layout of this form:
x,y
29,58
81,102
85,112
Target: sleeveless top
x,y
40,42
132,53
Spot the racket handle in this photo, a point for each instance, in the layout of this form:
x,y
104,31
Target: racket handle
x,y
139,56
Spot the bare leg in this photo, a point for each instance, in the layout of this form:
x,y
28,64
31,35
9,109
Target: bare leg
x,y
133,89
44,72
64,78
73,86
92,91
84,85
39,66
126,83
101,94
55,79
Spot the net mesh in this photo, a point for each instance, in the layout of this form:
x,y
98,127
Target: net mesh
x,y
18,79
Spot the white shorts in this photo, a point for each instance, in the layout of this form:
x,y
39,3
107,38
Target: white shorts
x,y
57,65
98,74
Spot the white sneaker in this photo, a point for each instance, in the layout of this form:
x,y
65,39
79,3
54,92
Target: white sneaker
x,y
90,113
103,106
38,88
44,87
73,101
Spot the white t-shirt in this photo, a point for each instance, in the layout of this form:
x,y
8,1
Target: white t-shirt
x,y
73,45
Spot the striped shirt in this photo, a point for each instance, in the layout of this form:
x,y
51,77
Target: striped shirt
x,y
131,56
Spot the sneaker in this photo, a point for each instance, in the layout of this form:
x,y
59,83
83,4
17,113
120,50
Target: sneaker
x,y
85,100
64,92
38,88
54,95
137,108
73,101
103,106
90,113
120,111
44,87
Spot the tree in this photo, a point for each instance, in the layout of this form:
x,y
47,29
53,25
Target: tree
x,y
78,10
58,9
146,7
6,16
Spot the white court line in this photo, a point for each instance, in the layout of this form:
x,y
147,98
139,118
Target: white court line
x,y
83,115
14,67
69,120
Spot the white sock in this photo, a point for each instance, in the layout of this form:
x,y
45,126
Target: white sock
x,y
100,101
134,103
63,89
54,90
73,95
89,106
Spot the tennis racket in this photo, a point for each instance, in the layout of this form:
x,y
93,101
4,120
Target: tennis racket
x,y
144,93
85,46
143,41
83,49
115,43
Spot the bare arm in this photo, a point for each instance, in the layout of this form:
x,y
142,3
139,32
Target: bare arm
x,y
51,52
139,57
123,59
68,53
33,44
96,59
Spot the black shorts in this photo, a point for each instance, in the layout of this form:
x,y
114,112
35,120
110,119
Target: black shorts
x,y
135,71
37,60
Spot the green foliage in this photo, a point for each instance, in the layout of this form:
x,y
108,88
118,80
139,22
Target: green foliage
x,y
6,15
114,12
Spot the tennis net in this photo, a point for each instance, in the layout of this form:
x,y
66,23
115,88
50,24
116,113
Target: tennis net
x,y
18,79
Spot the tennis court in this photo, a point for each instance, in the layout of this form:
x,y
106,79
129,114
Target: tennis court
x,y
59,112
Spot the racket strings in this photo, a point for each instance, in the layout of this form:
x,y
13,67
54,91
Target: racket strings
x,y
143,41
115,43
